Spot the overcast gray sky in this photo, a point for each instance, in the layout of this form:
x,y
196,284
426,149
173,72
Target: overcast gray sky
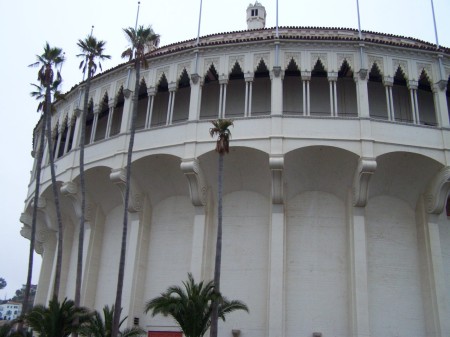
x,y
26,25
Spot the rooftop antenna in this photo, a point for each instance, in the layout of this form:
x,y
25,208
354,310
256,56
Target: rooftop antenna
x,y
277,47
441,68
135,28
360,35
198,36
137,15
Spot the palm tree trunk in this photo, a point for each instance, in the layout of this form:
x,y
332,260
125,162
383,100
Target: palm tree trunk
x,y
48,112
83,192
218,260
39,155
118,303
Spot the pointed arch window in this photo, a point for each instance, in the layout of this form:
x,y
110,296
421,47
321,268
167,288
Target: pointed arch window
x,y
161,104
89,123
346,92
210,94
401,97
261,100
63,139
102,122
377,94
292,90
425,101
182,98
142,106
116,120
319,91
235,99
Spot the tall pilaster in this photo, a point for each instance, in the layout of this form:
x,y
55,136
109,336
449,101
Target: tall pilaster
x,y
277,91
440,103
199,198
362,94
429,206
356,201
132,292
195,99
277,250
332,80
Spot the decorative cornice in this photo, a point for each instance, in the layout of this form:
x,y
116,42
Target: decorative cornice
x,y
197,186
276,164
437,192
119,178
364,171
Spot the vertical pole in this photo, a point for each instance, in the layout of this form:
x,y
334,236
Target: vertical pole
x,y
198,37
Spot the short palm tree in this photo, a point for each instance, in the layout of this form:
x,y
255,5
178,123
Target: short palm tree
x,y
191,306
140,39
221,129
57,320
48,61
91,51
102,327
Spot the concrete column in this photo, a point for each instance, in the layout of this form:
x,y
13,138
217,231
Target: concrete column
x,y
127,111
58,141
440,99
362,95
248,77
276,77
412,86
332,79
94,124
200,200
434,289
306,78
388,82
69,131
110,118
151,92
195,99
358,271
277,243
223,87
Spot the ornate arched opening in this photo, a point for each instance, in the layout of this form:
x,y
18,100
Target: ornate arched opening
x,y
161,103
377,93
346,92
210,94
261,99
235,102
319,91
292,90
182,98
116,120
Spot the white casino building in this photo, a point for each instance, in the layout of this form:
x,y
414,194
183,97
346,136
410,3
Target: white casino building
x,y
335,188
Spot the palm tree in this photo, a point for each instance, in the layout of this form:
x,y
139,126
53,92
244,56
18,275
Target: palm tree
x,y
221,130
57,320
92,50
102,327
49,59
140,39
192,306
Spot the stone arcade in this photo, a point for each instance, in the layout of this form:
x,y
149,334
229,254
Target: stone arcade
x,y
335,188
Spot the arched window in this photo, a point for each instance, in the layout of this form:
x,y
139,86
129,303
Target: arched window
x,y
209,108
89,123
161,103
261,100
292,90
102,122
319,91
346,92
401,97
377,94
142,106
235,102
182,99
427,112
116,120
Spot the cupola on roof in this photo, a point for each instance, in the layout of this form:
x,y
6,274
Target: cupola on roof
x,y
256,16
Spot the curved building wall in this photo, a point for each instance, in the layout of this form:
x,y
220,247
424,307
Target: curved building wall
x,y
335,186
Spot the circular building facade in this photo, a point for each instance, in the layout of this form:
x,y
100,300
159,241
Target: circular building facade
x,y
335,187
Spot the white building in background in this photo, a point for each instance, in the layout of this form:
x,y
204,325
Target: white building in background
x,y
335,188
10,310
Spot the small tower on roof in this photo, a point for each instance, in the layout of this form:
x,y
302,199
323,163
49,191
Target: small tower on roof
x,y
256,16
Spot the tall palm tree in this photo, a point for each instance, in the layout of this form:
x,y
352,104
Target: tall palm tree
x,y
57,320
48,61
102,327
192,306
91,51
141,40
221,129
